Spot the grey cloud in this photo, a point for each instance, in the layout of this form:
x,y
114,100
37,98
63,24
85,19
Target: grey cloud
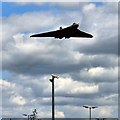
x,y
109,46
104,31
54,59
42,89
106,90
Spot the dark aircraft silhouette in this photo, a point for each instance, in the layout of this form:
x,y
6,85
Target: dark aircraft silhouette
x,y
67,32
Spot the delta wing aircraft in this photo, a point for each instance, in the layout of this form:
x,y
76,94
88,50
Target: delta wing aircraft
x,y
70,31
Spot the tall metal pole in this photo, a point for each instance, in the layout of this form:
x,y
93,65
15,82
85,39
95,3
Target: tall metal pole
x,y
53,103
90,112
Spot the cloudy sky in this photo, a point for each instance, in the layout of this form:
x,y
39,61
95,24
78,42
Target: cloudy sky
x,y
87,68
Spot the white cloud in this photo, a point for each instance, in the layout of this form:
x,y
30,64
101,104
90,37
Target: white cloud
x,y
59,115
6,85
24,22
98,75
104,112
74,87
96,71
89,7
100,71
19,100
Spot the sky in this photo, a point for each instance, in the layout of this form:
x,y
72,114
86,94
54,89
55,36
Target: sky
x,y
87,68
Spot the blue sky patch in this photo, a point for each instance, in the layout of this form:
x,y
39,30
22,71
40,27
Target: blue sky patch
x,y
12,8
9,8
5,74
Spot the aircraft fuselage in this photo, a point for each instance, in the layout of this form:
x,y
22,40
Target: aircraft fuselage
x,y
70,31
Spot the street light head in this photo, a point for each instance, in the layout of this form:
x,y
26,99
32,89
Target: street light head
x,y
91,107
86,106
25,115
94,107
54,76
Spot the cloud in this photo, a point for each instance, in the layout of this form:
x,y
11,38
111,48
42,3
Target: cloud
x,y
70,87
59,115
87,67
42,59
106,112
6,84
18,100
28,25
89,7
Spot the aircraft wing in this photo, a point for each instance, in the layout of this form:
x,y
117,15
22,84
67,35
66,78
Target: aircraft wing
x,y
57,34
47,34
66,32
79,33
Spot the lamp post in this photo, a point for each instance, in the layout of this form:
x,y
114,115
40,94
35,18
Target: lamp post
x,y
90,108
52,81
31,116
